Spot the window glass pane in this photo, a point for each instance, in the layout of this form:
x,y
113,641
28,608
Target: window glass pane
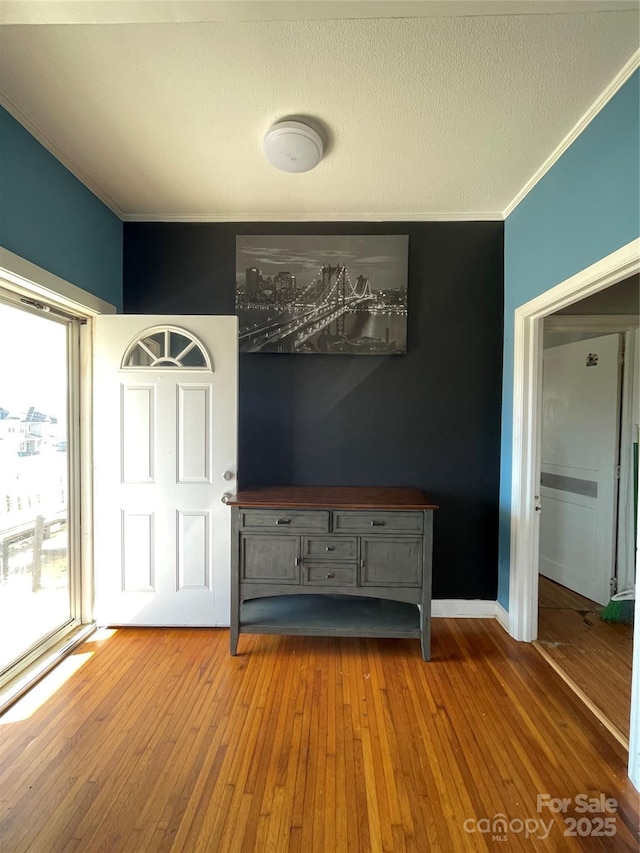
x,y
34,569
194,358
177,343
155,343
139,358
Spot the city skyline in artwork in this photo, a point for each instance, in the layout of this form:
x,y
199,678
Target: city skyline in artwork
x,y
322,294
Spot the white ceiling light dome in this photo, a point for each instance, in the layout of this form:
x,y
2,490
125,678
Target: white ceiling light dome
x,y
293,146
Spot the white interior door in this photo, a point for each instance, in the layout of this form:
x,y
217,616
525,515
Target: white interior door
x,y
580,445
165,416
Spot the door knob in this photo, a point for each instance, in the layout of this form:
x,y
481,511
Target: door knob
x,y
226,497
228,475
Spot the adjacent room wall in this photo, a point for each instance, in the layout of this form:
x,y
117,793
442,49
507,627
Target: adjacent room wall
x,y
48,217
584,208
429,419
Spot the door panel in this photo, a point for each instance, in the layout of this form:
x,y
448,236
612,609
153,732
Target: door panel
x,y
270,558
391,562
164,436
138,563
580,439
194,433
137,431
194,566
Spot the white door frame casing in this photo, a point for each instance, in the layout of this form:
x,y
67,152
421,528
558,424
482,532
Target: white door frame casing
x,y
527,388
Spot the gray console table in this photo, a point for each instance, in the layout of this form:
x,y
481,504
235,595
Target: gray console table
x,y
333,562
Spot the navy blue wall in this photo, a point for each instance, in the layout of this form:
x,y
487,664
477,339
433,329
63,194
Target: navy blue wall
x,y
48,217
430,419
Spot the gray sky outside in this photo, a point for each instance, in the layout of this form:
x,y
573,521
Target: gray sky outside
x,y
383,259
33,354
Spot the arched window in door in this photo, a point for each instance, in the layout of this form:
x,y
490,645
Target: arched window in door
x,y
166,347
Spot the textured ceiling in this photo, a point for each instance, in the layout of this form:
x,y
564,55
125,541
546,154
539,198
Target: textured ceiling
x,y
427,117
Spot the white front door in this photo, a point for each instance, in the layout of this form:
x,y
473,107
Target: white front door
x,y
580,444
165,416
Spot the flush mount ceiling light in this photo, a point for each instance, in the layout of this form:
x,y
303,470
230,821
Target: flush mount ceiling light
x,y
293,146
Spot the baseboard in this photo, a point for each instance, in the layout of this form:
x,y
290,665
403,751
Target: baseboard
x,y
463,608
502,616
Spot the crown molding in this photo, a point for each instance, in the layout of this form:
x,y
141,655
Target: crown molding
x,y
492,216
601,101
53,149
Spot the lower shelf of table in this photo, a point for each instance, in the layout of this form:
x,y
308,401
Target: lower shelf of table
x,y
330,616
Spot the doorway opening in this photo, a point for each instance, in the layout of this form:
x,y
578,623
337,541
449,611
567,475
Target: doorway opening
x,y
589,418
525,494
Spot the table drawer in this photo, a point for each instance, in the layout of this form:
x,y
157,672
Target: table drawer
x,y
377,522
316,574
330,547
311,521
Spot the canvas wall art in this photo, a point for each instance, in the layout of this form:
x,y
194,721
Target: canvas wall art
x,y
322,294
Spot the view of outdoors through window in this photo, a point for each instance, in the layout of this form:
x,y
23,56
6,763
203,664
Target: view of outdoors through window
x,y
34,569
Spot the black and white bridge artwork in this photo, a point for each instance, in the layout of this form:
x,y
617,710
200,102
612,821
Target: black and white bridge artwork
x,y
291,299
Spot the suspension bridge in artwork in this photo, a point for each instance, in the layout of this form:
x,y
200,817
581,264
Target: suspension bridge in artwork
x,y
326,300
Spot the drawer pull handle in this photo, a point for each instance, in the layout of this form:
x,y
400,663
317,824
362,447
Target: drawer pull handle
x,y
330,548
297,561
283,521
330,574
378,523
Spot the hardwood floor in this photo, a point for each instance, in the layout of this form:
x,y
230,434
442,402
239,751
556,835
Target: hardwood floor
x,y
595,655
158,740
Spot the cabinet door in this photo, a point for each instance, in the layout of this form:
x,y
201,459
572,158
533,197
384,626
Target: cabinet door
x,y
387,561
269,559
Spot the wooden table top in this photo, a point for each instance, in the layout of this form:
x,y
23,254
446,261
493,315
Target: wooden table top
x,y
341,497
